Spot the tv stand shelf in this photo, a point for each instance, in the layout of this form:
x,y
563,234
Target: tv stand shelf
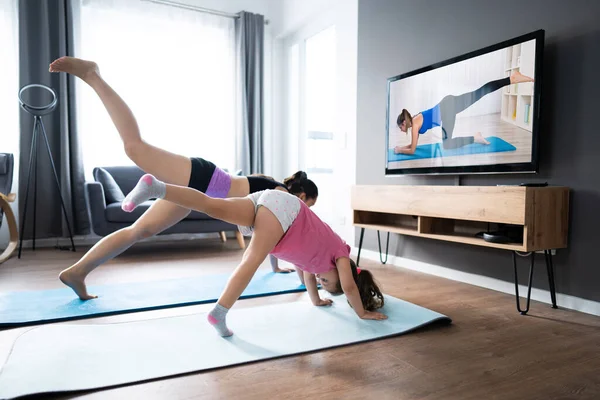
x,y
539,216
453,237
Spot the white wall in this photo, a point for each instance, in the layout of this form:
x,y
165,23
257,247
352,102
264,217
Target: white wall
x,y
296,14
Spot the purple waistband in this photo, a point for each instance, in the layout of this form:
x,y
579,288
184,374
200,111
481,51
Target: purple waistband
x,y
219,184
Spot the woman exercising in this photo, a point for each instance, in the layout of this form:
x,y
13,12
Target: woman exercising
x,y
282,225
444,115
176,169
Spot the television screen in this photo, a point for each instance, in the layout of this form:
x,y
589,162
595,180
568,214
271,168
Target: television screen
x,y
477,113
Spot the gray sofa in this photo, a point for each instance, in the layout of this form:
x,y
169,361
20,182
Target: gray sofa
x,y
111,184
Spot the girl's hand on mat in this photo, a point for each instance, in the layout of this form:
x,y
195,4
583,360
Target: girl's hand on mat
x,y
283,270
373,315
324,302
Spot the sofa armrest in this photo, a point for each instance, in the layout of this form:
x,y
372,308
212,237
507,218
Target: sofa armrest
x,y
96,205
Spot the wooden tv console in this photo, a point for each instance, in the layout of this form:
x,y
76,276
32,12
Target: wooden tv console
x,y
459,213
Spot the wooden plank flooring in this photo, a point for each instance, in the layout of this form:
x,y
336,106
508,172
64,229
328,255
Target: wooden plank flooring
x,y
489,352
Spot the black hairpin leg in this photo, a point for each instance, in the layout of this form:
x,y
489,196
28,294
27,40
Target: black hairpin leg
x,y
550,268
387,245
362,235
514,255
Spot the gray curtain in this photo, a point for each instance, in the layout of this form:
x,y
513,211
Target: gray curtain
x,y
46,33
249,29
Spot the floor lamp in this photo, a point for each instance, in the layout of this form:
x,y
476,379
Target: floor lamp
x,y
38,129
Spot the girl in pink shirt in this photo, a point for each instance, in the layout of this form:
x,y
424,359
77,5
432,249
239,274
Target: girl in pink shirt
x,y
281,225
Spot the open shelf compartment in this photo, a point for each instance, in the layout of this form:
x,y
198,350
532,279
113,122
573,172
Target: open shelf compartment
x,y
465,231
453,230
397,223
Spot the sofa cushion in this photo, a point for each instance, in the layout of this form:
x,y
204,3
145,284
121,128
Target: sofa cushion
x,y
3,164
125,176
198,216
112,191
114,213
6,173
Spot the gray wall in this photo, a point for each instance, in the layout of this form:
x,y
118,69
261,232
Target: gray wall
x,y
397,36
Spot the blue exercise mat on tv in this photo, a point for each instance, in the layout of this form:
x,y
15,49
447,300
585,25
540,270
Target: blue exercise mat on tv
x,y
74,357
434,150
32,307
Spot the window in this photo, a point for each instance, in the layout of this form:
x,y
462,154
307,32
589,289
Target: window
x,y
320,117
293,97
9,89
9,80
175,68
320,100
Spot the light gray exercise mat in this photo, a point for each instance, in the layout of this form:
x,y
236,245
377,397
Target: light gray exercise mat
x,y
71,357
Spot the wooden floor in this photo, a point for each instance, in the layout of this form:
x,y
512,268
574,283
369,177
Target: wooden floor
x,y
489,352
488,125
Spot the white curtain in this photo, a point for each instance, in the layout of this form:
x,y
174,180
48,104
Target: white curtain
x,y
9,77
175,68
9,89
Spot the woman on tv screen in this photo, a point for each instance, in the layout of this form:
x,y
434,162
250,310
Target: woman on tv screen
x,y
444,114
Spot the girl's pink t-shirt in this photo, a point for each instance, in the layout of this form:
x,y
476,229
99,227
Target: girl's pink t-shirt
x,y
310,244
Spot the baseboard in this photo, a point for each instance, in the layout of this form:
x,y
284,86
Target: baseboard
x,y
562,300
91,240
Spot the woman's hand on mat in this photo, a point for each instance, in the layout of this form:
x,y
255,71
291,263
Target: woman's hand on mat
x,y
323,302
403,150
373,315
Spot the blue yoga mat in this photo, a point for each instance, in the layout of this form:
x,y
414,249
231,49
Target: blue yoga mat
x,y
434,150
32,307
71,357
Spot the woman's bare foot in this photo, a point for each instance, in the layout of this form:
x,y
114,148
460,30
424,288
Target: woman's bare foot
x,y
518,77
76,282
480,139
75,66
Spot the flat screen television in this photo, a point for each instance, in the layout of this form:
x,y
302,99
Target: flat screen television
x,y
475,113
